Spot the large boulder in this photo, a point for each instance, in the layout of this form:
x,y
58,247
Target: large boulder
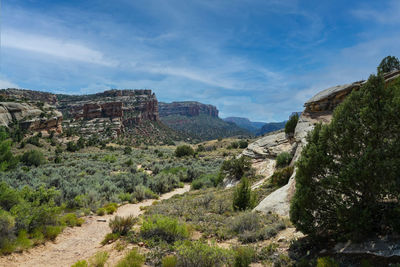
x,y
269,146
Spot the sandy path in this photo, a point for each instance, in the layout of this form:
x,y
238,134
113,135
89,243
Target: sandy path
x,y
79,242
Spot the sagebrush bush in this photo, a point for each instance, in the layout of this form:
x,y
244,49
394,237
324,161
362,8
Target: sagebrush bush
x,y
122,225
142,192
162,228
199,254
283,159
281,176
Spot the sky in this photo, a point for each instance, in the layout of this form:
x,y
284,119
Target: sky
x,y
260,59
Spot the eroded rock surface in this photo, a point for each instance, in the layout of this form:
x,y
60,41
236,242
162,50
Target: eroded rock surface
x,y
34,114
187,108
112,112
269,146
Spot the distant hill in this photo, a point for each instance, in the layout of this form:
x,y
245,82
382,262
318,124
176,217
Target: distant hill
x,y
256,128
271,127
200,121
245,123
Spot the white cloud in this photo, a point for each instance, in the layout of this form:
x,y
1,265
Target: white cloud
x,y
4,84
66,49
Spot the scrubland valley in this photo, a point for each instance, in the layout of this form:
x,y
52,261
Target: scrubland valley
x,y
118,179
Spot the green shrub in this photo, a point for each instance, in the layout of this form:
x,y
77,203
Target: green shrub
x,y
199,254
290,126
51,232
345,183
72,146
81,263
7,159
205,181
99,259
169,261
7,224
101,211
233,145
243,256
243,144
110,158
111,208
162,228
109,238
33,158
243,197
283,159
282,176
326,262
122,225
34,140
235,168
132,259
127,150
184,150
70,219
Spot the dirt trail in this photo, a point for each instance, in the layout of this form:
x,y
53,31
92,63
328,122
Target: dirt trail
x,y
79,242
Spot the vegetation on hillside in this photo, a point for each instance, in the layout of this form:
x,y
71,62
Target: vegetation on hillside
x,y
203,127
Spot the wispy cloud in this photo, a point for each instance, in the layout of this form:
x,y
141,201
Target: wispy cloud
x,y
65,49
384,14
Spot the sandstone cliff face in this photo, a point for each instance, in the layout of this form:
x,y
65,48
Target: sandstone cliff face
x,y
318,109
187,108
114,111
32,110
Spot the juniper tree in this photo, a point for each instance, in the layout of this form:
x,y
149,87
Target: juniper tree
x,y
348,178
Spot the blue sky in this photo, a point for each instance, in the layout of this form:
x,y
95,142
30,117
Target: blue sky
x,y
260,59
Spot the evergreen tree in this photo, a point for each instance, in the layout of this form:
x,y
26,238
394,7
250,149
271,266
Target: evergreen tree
x,y
348,178
243,198
388,64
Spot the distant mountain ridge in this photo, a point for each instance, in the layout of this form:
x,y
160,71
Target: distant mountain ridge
x,y
198,120
245,123
256,128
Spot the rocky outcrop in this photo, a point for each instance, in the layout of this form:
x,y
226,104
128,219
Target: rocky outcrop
x,y
318,109
187,108
113,111
269,146
30,117
386,247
